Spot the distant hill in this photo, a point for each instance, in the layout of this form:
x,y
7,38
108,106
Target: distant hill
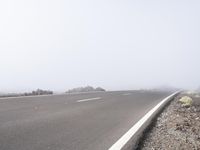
x,y
36,92
85,89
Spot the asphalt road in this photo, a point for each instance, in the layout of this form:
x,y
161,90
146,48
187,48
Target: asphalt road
x,y
90,121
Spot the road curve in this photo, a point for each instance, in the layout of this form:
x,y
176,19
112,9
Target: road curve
x,y
90,121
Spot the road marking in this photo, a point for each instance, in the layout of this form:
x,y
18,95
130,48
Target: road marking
x,y
125,94
131,132
89,99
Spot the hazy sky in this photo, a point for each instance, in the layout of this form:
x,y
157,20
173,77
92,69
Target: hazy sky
x,y
116,44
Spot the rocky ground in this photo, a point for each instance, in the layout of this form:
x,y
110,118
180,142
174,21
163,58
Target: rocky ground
x,y
177,128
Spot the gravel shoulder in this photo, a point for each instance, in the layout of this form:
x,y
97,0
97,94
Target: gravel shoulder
x,y
177,127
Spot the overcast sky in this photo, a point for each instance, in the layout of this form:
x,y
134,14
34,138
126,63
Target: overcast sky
x,y
115,44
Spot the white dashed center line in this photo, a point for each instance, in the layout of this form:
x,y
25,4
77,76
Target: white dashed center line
x,y
126,94
89,99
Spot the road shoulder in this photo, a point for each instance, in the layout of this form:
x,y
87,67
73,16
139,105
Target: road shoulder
x,y
177,127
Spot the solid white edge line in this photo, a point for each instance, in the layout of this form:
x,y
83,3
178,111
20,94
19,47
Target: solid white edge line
x,y
89,99
130,133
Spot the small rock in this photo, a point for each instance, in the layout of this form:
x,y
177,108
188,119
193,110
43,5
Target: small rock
x,y
186,101
198,138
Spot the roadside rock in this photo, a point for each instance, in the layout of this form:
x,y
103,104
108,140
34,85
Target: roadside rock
x,y
186,101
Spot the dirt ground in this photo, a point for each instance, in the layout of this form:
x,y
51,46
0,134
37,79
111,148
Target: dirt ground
x,y
177,127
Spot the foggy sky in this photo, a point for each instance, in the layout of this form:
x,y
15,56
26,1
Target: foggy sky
x,y
115,44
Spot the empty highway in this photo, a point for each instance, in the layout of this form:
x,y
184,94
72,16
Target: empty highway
x,y
89,121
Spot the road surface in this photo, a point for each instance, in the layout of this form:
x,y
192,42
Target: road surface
x,y
90,121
